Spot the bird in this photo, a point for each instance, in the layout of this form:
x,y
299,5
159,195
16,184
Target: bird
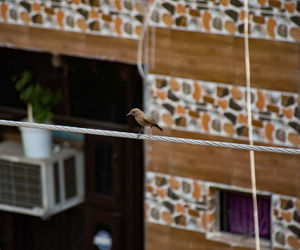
x,y
143,119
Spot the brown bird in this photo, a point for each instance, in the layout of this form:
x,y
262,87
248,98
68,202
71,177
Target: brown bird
x,y
143,119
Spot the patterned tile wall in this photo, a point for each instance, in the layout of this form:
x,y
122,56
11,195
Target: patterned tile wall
x,y
101,17
220,109
286,222
269,19
179,202
192,204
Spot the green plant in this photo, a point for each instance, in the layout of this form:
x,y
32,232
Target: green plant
x,y
41,99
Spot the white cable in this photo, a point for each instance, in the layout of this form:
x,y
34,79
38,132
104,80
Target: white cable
x,y
153,38
141,41
250,128
151,137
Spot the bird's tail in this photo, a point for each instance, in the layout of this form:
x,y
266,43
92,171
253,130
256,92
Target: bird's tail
x,y
156,125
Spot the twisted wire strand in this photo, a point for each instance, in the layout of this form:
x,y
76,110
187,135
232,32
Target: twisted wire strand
x,y
152,137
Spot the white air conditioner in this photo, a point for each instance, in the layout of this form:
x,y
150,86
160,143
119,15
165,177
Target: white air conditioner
x,y
40,187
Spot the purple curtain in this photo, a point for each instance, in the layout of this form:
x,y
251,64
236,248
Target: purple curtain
x,y
240,215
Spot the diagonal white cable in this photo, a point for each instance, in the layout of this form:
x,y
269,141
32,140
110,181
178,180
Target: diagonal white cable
x,y
251,152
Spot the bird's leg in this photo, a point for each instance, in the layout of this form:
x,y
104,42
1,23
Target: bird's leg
x,y
140,132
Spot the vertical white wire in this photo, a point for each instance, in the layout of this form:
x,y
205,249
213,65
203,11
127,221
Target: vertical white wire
x,y
144,73
250,131
147,15
153,37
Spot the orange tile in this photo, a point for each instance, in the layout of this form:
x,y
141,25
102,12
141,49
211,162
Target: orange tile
x,y
174,183
230,26
4,9
289,6
161,192
138,30
260,103
269,129
180,109
242,119
205,122
167,19
180,9
287,216
206,20
81,24
197,191
60,18
167,119
25,17
167,217
180,208
224,2
295,33
118,4
118,25
223,103
294,139
271,24
229,129
161,94
197,91
93,13
36,7
204,221
288,113
236,93
174,84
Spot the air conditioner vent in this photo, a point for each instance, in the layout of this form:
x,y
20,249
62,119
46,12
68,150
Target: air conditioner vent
x,y
20,184
40,187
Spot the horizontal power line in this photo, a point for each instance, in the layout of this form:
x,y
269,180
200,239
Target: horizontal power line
x,y
151,137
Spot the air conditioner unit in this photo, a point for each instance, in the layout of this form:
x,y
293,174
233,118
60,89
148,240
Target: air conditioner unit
x,y
40,187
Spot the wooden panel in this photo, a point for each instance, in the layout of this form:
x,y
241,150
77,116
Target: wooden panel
x,y
194,55
274,172
162,49
68,43
56,41
274,65
206,57
14,35
160,237
201,56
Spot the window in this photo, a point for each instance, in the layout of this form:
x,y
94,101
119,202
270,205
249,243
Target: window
x,y
93,89
103,168
236,214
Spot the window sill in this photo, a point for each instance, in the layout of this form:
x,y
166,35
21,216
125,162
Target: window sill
x,y
237,240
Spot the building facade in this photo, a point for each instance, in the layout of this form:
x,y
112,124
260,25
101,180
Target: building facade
x,y
195,89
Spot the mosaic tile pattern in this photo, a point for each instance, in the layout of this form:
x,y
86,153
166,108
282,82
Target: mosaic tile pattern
x,y
220,109
178,202
286,222
192,204
101,17
268,19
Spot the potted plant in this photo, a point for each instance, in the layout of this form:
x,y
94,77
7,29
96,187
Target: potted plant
x,y
37,143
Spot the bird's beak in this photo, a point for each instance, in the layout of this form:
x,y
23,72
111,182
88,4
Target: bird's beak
x,y
128,114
